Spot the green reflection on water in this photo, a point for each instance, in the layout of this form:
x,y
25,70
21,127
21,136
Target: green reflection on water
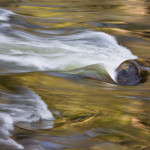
x,y
97,111
89,114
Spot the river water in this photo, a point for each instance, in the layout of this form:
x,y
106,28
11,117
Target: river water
x,y
57,75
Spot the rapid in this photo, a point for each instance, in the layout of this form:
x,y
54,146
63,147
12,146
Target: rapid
x,y
58,64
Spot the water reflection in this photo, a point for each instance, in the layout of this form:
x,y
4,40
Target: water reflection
x,y
89,114
86,117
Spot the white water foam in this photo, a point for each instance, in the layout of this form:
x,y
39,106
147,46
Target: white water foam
x,y
58,53
72,52
5,14
6,126
62,53
23,107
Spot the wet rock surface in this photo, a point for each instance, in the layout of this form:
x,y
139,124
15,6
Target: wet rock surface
x,y
133,72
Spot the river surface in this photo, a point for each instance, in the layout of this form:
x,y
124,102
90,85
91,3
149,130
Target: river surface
x,y
58,86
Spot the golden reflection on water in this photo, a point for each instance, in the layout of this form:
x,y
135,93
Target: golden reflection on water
x,y
87,106
128,18
105,116
70,12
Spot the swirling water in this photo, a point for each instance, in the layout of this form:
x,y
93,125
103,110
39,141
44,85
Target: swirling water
x,y
47,49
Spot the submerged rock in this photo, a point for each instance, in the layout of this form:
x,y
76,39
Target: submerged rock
x,y
132,72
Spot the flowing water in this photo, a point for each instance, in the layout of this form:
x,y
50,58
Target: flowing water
x,y
57,75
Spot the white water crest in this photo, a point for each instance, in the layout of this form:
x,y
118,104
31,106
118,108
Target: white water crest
x,y
25,107
71,52
5,14
88,53
62,53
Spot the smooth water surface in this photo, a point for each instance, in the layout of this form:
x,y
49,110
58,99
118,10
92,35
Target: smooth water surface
x,y
57,75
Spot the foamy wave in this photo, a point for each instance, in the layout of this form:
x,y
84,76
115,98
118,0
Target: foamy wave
x,y
24,107
67,53
6,126
61,52
4,14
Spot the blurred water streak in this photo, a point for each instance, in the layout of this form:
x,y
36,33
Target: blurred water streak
x,y
40,110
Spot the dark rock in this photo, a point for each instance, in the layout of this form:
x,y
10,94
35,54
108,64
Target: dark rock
x,y
133,72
